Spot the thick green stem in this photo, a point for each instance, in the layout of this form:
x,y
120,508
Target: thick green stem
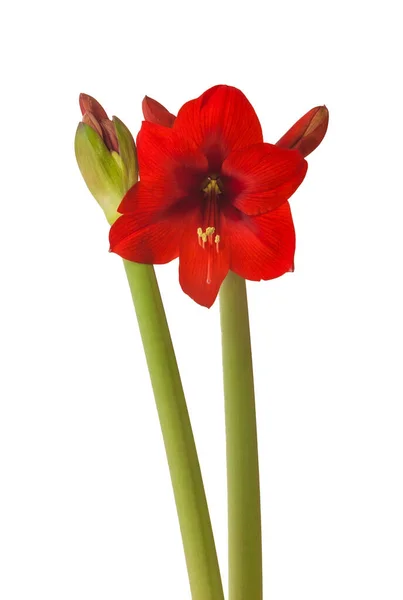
x,y
191,504
244,523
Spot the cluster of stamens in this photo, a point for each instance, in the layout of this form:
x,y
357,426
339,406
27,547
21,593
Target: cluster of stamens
x,y
207,236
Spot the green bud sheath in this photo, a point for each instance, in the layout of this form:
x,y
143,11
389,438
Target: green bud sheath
x,y
101,172
128,153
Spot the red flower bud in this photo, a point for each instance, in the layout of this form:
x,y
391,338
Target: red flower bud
x,y
307,133
95,116
154,112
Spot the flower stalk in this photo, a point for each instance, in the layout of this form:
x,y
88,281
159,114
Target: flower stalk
x,y
187,483
244,518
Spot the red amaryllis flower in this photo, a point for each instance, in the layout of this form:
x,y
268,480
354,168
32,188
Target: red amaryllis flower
x,y
213,193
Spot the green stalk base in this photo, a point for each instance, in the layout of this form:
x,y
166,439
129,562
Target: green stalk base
x,y
187,483
244,520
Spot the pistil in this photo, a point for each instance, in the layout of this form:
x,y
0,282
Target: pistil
x,y
208,237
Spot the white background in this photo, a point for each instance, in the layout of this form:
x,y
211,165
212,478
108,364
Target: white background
x,y
86,508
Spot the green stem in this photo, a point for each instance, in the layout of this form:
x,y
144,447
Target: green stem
x,y
244,523
187,483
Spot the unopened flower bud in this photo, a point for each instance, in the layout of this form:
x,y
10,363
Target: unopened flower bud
x,y
307,133
106,155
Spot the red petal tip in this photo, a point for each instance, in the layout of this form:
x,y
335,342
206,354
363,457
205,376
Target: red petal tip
x,y
88,104
155,112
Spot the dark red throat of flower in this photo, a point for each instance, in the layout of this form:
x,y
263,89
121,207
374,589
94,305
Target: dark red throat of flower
x,y
209,235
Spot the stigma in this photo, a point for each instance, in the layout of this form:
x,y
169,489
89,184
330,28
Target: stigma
x,y
212,186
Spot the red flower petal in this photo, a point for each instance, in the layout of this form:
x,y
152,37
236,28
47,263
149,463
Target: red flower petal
x,y
263,177
154,112
201,270
308,132
155,243
219,121
154,198
262,247
167,162
142,196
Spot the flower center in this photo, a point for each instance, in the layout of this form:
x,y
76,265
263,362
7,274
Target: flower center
x,y
209,236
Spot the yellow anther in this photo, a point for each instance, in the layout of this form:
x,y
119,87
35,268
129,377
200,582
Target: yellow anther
x,y
207,235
